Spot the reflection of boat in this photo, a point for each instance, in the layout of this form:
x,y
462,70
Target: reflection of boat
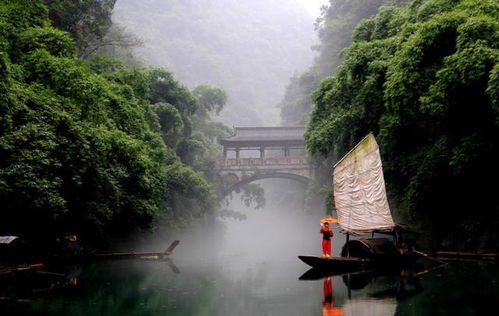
x,y
318,274
362,208
369,292
400,285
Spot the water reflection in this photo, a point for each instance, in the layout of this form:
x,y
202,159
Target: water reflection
x,y
328,305
368,292
232,286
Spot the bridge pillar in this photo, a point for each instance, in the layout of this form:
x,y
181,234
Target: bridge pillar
x,y
286,152
262,152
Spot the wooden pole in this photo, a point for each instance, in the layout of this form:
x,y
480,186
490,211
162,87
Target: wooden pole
x,y
348,287
428,256
347,244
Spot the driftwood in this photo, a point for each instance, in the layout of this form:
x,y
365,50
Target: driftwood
x,y
452,255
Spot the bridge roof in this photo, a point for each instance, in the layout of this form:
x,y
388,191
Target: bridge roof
x,y
266,136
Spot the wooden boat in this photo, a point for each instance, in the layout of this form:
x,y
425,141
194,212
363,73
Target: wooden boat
x,y
140,255
340,264
362,208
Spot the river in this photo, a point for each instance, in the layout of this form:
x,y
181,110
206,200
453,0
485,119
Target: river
x,y
271,287
254,270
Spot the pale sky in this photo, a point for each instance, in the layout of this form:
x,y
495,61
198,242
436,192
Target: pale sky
x,y
313,6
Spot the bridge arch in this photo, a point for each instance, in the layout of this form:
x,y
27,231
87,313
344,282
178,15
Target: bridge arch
x,y
261,176
281,155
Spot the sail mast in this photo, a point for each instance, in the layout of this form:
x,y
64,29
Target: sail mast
x,y
351,150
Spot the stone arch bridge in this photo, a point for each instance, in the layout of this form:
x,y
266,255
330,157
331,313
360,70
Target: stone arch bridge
x,y
255,153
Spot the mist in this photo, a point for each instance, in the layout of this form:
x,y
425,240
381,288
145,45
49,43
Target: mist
x,y
279,230
248,48
128,126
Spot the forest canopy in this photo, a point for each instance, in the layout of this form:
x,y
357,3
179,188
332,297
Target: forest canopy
x,y
93,147
334,27
424,79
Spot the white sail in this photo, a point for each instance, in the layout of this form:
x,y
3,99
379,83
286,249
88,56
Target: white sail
x,y
359,190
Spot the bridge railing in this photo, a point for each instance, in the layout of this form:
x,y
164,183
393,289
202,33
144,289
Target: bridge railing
x,y
233,162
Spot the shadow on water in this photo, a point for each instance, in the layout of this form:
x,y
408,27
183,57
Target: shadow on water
x,y
444,290
368,292
235,286
253,271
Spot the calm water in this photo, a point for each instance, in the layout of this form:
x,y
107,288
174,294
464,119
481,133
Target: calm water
x,y
238,286
253,271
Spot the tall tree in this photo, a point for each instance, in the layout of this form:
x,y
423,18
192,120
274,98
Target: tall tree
x,y
88,21
84,146
334,27
424,79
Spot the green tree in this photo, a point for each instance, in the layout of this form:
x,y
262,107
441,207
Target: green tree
x,y
334,27
89,147
211,99
423,78
88,21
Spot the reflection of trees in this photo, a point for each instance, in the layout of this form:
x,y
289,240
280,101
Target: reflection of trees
x,y
131,288
458,289
152,288
399,285
362,289
370,293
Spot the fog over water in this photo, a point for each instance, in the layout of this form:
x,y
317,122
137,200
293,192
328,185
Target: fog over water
x,y
250,49
278,232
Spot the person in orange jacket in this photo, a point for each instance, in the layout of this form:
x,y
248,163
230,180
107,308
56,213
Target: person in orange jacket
x,y
327,233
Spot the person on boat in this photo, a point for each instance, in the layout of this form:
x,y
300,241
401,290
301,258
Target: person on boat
x,y
327,233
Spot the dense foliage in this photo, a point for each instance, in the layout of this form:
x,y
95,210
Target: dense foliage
x,y
424,79
334,28
95,147
88,21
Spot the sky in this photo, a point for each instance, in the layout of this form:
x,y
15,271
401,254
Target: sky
x,y
313,6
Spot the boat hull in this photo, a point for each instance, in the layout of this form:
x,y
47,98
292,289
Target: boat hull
x,y
337,263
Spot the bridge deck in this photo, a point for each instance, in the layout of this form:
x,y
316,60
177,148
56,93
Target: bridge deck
x,y
239,171
279,136
230,162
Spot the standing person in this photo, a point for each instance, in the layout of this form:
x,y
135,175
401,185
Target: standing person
x,y
327,233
